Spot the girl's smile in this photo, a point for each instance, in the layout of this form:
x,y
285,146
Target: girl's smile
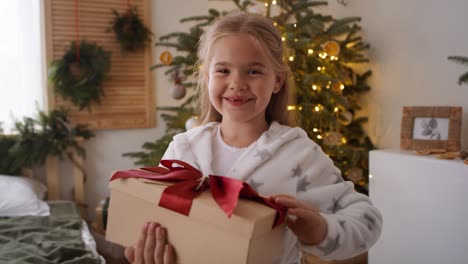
x,y
237,100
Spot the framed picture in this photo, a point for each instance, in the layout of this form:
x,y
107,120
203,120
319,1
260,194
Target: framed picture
x,y
431,128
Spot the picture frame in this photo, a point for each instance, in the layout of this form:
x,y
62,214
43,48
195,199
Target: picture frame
x,y
431,128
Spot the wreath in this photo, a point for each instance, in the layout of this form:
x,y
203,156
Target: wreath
x,y
130,32
79,74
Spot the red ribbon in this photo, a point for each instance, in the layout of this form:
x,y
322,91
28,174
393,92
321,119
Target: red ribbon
x,y
188,183
77,32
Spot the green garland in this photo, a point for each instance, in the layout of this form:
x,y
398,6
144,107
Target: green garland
x,y
80,80
50,134
130,32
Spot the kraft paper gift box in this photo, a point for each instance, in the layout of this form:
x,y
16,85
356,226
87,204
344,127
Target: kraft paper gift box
x,y
207,235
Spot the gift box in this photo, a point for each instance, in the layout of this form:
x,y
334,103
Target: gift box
x,y
207,232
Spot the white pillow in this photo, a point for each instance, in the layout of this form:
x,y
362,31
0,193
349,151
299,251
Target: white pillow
x,y
22,196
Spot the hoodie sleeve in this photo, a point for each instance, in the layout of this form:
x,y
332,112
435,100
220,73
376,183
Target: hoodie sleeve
x,y
170,152
353,223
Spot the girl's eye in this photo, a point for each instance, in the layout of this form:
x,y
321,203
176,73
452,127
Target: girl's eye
x,y
254,72
224,71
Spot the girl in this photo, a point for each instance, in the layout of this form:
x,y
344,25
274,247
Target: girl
x,y
248,134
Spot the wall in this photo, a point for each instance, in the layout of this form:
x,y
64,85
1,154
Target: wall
x,y
410,42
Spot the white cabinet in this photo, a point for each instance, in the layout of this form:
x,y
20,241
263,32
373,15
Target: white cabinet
x,y
424,203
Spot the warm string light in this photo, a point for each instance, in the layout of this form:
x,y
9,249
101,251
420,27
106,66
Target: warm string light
x,y
315,87
324,55
310,51
273,2
316,130
283,39
291,58
294,107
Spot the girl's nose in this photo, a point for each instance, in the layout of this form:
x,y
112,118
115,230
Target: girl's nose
x,y
237,82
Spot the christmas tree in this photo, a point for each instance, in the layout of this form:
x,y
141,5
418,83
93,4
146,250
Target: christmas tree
x,y
321,52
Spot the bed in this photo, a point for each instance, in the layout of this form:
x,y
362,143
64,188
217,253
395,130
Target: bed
x,y
34,230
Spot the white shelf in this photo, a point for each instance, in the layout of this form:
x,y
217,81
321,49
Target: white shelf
x,y
424,203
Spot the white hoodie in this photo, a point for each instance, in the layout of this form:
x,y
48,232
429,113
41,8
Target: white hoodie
x,y
285,161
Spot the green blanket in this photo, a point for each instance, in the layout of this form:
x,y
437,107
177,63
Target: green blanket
x,y
45,239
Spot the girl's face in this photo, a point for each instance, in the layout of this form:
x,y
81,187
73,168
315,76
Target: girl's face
x,y
241,79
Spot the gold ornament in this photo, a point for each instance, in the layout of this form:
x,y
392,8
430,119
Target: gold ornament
x,y
336,88
346,118
166,58
332,48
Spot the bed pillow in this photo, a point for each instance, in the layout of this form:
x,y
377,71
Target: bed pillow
x,y
22,196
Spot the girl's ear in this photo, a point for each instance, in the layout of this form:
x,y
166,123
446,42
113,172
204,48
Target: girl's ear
x,y
279,83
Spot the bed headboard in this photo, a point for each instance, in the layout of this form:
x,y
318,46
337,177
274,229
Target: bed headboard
x,y
52,172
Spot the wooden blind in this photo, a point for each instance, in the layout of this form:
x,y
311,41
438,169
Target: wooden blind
x,y
129,100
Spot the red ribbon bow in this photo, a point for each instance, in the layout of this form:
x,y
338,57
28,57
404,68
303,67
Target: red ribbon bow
x,y
189,183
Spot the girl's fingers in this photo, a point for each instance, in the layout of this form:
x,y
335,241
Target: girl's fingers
x,y
289,202
169,254
140,245
302,212
148,254
274,197
130,253
160,245
151,246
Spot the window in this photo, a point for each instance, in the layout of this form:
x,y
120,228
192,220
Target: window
x,y
22,69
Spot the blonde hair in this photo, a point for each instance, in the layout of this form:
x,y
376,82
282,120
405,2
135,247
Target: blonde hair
x,y
262,30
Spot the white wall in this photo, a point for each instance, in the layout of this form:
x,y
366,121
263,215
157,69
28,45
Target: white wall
x,y
410,42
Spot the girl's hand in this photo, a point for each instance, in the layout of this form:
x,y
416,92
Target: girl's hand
x,y
304,220
151,247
